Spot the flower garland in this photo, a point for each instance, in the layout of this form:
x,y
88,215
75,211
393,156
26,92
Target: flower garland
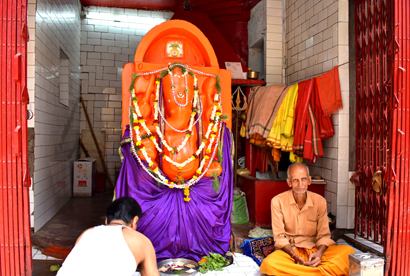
x,y
155,173
211,132
137,118
215,124
186,194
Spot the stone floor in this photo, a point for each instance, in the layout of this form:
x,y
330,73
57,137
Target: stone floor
x,y
242,265
81,213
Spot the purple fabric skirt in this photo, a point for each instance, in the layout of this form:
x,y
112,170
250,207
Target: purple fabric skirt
x,y
176,228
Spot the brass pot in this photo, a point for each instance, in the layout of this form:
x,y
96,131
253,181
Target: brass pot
x,y
253,75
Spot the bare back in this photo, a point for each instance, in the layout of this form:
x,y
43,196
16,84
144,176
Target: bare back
x,y
143,251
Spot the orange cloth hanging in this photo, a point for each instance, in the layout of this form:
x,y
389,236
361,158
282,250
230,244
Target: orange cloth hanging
x,y
329,92
257,140
324,122
276,154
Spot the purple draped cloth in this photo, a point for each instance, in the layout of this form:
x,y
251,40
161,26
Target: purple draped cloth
x,y
176,228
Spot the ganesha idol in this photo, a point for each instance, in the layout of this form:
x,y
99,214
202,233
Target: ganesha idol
x,y
175,107
174,110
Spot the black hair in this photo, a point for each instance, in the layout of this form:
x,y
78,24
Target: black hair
x,y
124,208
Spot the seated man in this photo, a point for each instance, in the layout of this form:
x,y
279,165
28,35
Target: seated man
x,y
115,248
301,230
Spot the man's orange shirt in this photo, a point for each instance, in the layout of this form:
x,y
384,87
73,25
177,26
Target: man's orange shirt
x,y
307,228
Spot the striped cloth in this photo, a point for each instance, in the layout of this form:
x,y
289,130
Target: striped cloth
x,y
264,103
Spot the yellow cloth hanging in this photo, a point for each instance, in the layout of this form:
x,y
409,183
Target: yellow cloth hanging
x,y
281,133
294,158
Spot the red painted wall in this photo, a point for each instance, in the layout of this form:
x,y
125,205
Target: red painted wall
x,y
259,194
222,43
236,34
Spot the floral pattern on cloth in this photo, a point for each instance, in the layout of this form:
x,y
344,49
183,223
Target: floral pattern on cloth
x,y
258,249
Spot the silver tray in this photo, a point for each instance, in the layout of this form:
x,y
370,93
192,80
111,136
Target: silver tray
x,y
171,261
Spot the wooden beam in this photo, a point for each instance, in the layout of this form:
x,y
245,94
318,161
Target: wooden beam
x,y
96,144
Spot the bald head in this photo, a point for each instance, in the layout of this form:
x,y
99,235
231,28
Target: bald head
x,y
297,165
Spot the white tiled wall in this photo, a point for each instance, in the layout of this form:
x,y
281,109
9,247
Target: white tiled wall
x,y
265,31
317,40
109,39
57,26
274,42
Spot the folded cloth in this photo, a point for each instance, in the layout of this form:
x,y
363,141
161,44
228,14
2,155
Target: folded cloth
x,y
258,249
329,92
258,232
264,103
